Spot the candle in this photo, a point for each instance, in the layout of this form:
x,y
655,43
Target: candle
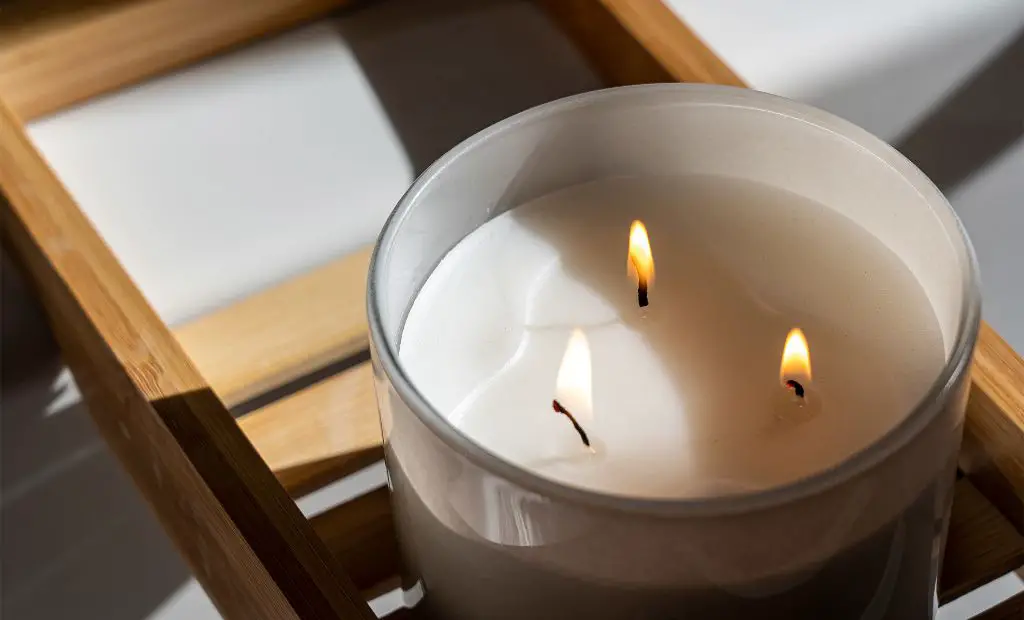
x,y
571,435
686,394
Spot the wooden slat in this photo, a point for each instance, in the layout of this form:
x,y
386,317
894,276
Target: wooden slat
x,y
284,332
616,56
981,545
243,537
993,454
361,535
1011,609
321,433
302,432
63,54
608,32
293,328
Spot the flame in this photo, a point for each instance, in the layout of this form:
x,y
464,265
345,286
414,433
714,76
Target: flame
x,y
573,387
641,261
796,358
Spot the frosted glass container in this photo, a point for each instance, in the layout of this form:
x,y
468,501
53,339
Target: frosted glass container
x,y
486,538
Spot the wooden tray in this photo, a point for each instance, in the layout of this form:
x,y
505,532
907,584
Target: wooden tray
x,y
222,487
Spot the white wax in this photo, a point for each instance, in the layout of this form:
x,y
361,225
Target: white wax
x,y
687,399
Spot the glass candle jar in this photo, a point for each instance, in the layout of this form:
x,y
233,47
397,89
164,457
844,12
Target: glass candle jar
x,y
850,530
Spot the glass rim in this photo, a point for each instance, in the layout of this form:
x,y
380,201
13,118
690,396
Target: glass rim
x,y
386,349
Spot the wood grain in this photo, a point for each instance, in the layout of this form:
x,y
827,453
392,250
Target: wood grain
x,y
241,534
361,535
993,455
53,58
613,52
1010,609
609,31
981,545
284,332
320,434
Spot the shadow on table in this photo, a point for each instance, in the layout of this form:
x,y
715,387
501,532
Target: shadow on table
x,y
446,69
973,124
950,107
78,540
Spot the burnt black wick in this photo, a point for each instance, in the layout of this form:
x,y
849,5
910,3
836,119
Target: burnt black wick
x,y
579,429
641,286
796,387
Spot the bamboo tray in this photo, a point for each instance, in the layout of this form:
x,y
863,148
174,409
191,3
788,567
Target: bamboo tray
x,y
222,487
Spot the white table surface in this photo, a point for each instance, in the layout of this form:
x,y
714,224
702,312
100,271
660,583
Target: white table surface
x,y
879,63
221,179
224,178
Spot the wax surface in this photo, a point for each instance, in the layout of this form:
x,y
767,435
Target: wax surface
x,y
687,397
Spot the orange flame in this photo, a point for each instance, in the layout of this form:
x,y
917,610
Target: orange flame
x,y
796,358
641,261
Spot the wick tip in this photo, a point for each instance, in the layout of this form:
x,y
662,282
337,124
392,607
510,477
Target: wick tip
x,y
557,406
796,387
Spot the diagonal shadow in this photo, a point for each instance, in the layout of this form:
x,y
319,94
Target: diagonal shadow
x,y
78,541
976,123
445,69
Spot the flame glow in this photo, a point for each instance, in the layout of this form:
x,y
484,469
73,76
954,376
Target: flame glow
x,y
796,358
573,387
641,261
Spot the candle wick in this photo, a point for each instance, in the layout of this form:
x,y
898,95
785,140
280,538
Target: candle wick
x,y
641,287
796,387
579,429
